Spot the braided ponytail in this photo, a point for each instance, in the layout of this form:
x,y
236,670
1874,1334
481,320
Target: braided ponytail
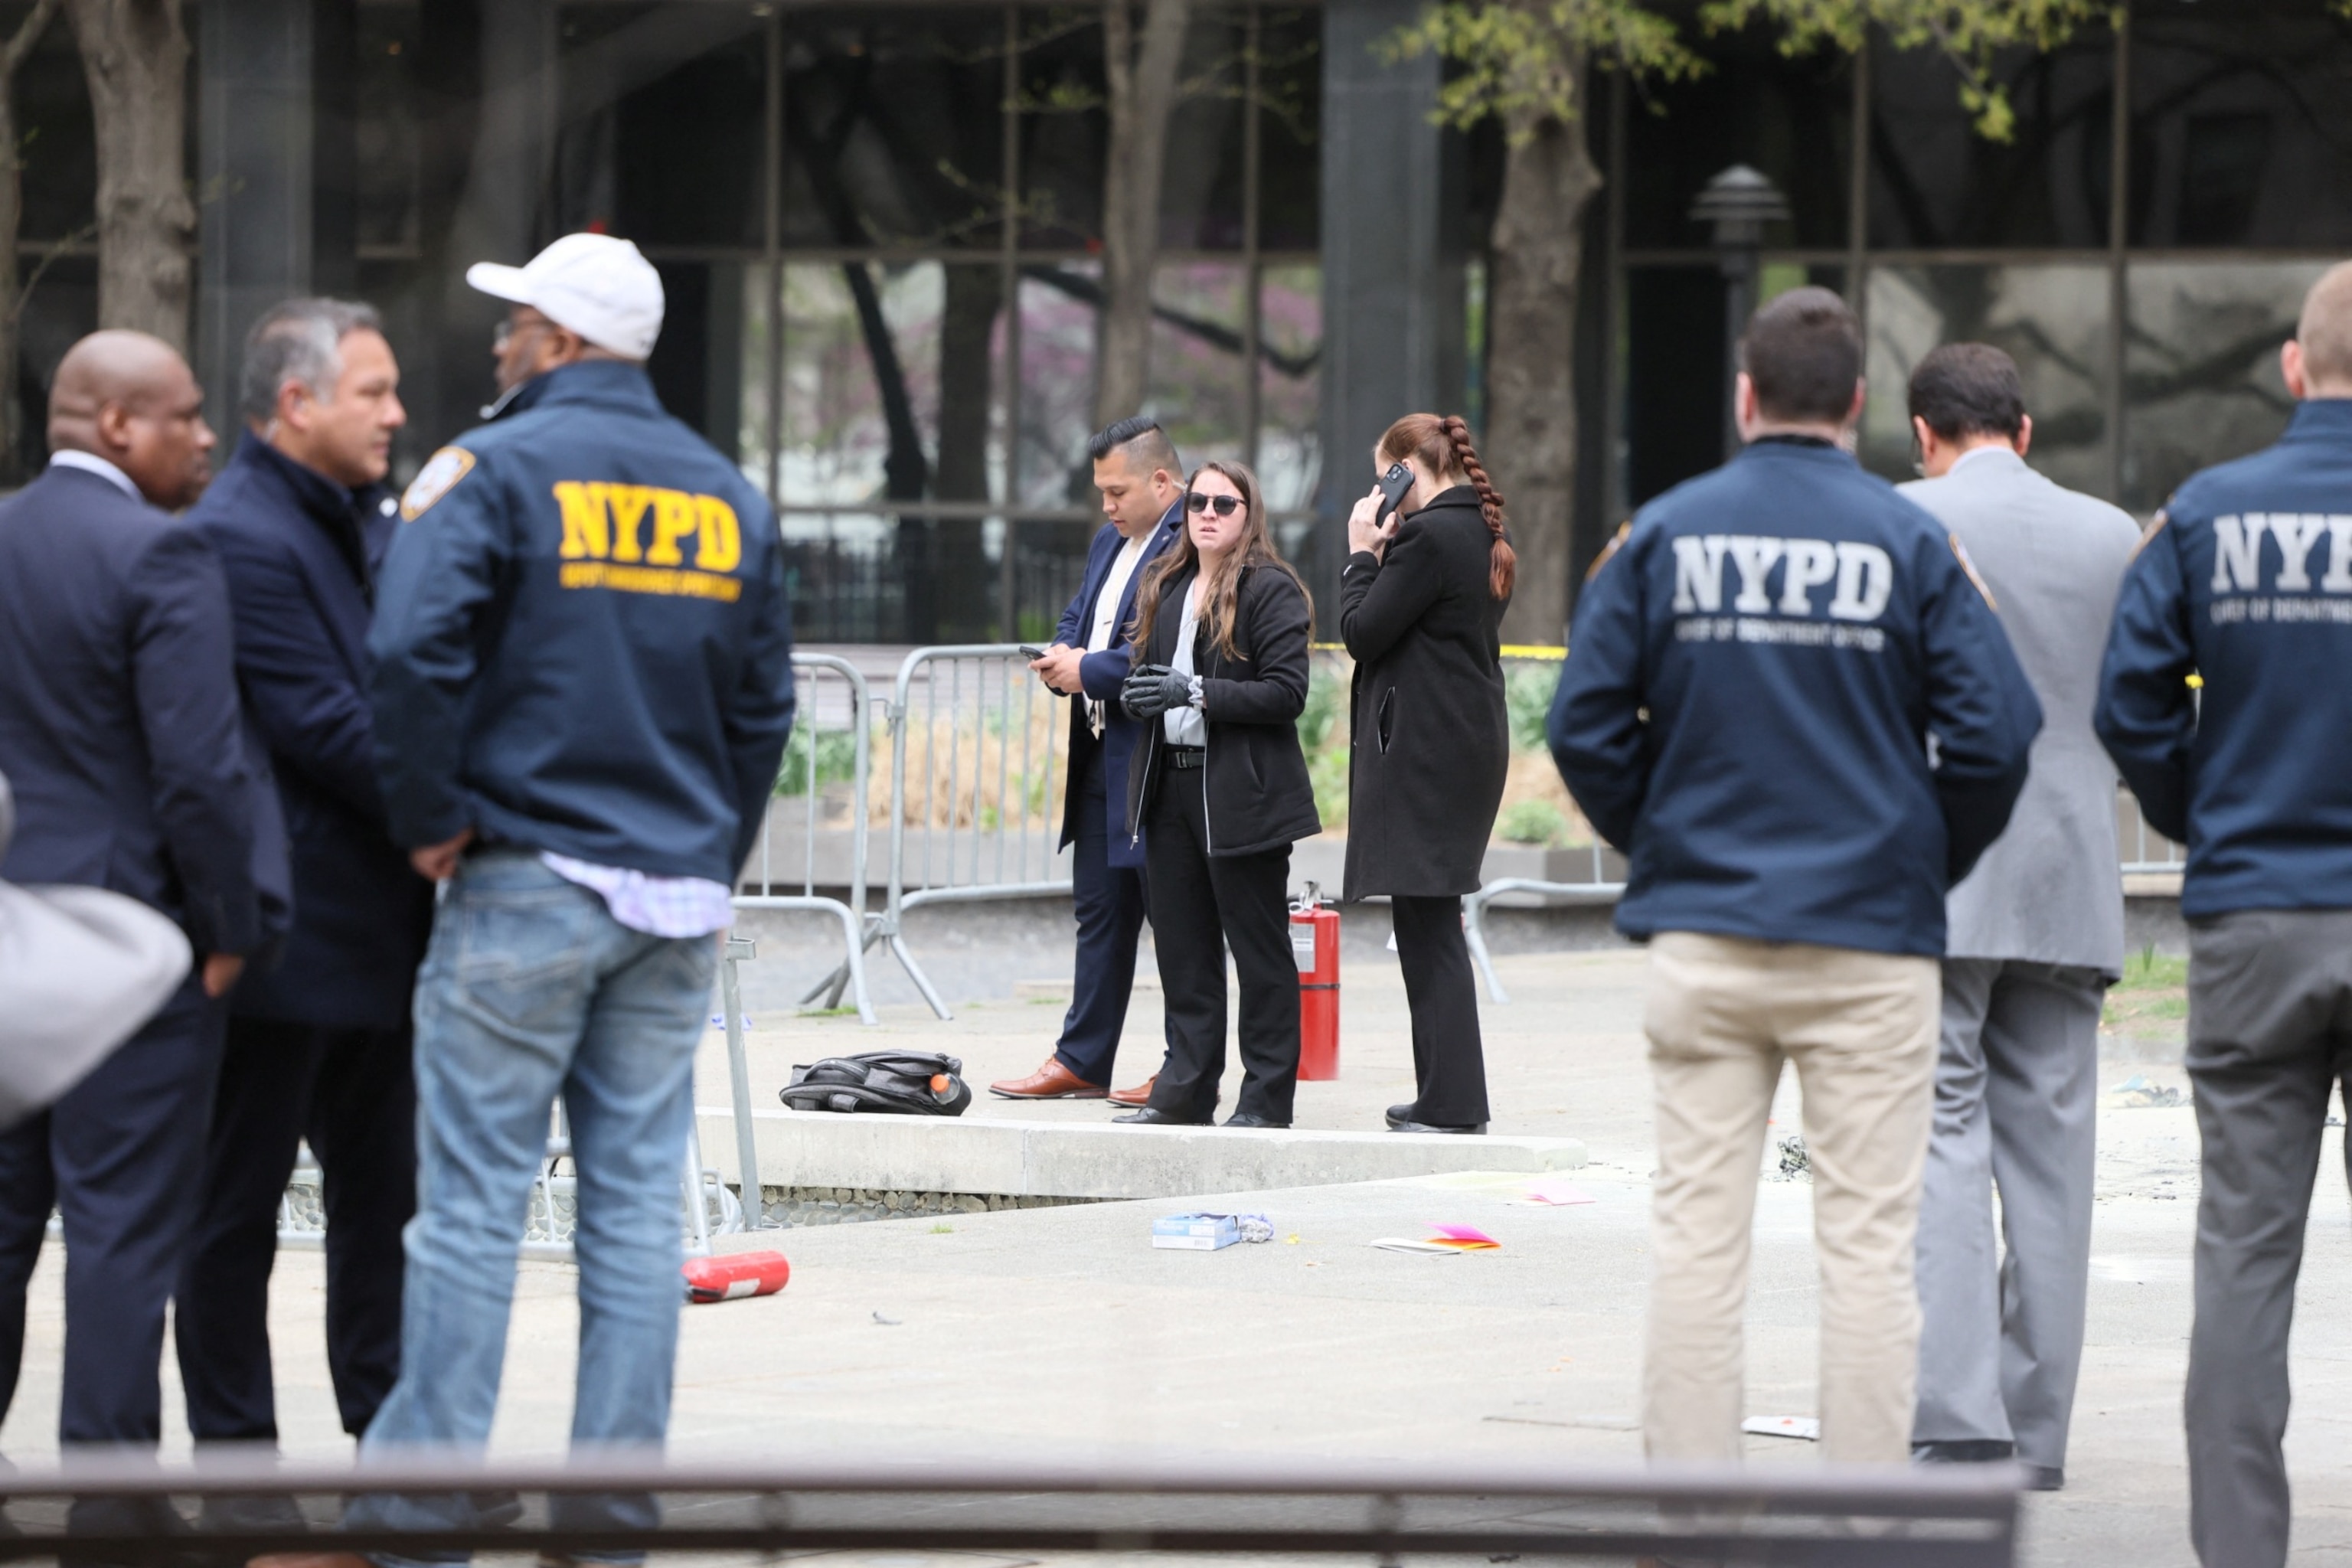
x,y
1504,561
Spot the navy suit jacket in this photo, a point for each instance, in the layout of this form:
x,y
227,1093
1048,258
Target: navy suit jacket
x,y
118,723
300,553
1100,675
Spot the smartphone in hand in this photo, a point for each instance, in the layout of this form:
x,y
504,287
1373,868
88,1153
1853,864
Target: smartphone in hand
x,y
1031,653
1394,486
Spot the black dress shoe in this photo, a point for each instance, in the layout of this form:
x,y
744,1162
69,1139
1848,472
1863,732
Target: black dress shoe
x,y
1244,1119
1400,1114
1149,1117
1963,1451
1474,1130
240,1514
2044,1479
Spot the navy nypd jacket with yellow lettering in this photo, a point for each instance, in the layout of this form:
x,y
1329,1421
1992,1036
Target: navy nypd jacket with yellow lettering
x,y
581,638
1755,674
2246,582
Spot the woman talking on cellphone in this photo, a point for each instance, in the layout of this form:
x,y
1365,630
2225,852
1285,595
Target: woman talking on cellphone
x,y
1220,679
1421,603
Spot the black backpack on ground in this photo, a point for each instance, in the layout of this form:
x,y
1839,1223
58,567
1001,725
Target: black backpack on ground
x,y
907,1083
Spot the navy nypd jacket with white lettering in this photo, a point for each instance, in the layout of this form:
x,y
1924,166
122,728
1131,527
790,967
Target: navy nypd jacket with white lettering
x,y
581,638
1755,673
2246,581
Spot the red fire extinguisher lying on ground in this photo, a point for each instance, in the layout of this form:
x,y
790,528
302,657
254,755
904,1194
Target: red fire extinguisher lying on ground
x,y
1315,943
737,1274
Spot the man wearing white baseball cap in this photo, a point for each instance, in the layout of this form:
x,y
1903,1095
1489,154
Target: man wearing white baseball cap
x,y
601,290
582,689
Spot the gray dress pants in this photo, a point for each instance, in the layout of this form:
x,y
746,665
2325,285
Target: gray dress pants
x,y
2270,1032
2016,1109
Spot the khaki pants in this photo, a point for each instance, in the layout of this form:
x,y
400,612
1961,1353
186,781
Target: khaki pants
x,y
1723,1014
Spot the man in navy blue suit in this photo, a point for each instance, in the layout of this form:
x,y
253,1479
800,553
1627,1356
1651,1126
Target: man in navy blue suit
x,y
318,1044
120,731
1142,486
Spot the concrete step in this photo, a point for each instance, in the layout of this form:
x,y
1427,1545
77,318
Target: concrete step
x,y
1033,1159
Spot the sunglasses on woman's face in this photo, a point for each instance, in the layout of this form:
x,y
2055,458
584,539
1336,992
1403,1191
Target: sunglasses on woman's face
x,y
1221,505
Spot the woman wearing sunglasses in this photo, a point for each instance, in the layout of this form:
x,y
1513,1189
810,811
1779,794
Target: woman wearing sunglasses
x,y
1422,604
1220,665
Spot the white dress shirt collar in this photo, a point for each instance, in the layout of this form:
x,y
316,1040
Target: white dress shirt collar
x,y
90,463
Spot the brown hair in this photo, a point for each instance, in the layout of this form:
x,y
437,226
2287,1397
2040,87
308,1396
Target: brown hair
x,y
1968,389
1254,548
1803,352
1444,447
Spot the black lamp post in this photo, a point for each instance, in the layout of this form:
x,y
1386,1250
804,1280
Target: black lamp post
x,y
1738,203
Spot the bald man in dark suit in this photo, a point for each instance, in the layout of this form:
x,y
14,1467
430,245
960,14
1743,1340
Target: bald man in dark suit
x,y
121,733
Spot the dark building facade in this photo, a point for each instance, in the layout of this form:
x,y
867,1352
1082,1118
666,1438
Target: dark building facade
x,y
879,228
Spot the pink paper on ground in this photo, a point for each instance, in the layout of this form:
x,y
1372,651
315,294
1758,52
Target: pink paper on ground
x,y
1552,1190
1462,1236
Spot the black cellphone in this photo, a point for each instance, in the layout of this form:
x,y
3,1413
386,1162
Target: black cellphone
x,y
1028,652
1394,484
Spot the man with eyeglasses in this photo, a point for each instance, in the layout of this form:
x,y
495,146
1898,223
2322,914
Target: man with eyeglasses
x,y
582,687
1142,486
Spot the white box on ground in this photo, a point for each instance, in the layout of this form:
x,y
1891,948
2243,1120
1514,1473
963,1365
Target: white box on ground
x,y
1195,1232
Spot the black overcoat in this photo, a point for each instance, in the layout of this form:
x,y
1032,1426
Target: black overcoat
x,y
1431,744
1259,795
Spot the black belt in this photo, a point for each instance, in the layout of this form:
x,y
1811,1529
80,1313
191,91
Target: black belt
x,y
1188,756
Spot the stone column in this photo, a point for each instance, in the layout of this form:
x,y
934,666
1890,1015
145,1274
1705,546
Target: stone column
x,y
253,141
1393,247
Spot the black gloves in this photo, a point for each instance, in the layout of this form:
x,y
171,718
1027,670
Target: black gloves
x,y
1153,690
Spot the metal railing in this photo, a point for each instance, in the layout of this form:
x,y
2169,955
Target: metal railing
x,y
980,822
2144,851
1961,1516
811,669
1600,888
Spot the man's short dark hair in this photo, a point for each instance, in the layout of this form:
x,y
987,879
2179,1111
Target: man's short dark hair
x,y
1147,446
1804,351
1968,389
299,340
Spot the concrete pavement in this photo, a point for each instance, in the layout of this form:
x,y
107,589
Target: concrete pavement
x,y
1061,1329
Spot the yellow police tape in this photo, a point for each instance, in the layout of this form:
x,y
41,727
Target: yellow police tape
x,y
1510,649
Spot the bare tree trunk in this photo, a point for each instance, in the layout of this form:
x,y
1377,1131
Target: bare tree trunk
x,y
135,55
1549,179
1142,94
12,218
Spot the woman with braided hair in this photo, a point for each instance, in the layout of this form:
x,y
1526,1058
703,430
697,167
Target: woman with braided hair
x,y
1421,606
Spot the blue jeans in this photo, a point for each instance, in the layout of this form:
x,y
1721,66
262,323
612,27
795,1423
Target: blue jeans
x,y
531,989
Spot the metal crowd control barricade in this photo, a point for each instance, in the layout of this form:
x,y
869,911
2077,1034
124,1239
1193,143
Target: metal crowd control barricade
x,y
977,822
2143,850
1597,889
812,672
699,1190
1951,1516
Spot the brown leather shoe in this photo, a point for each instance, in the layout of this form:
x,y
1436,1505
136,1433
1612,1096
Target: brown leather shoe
x,y
1051,1081
1140,1095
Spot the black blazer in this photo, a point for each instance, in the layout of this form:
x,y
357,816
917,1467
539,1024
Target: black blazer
x,y
1431,744
118,723
300,553
1259,795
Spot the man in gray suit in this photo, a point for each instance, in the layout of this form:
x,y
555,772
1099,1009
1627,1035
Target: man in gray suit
x,y
2036,936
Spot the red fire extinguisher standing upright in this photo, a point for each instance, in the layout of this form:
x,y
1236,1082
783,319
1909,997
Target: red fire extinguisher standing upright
x,y
1315,943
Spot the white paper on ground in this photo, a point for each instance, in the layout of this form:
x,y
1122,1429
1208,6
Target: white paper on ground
x,y
1804,1427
